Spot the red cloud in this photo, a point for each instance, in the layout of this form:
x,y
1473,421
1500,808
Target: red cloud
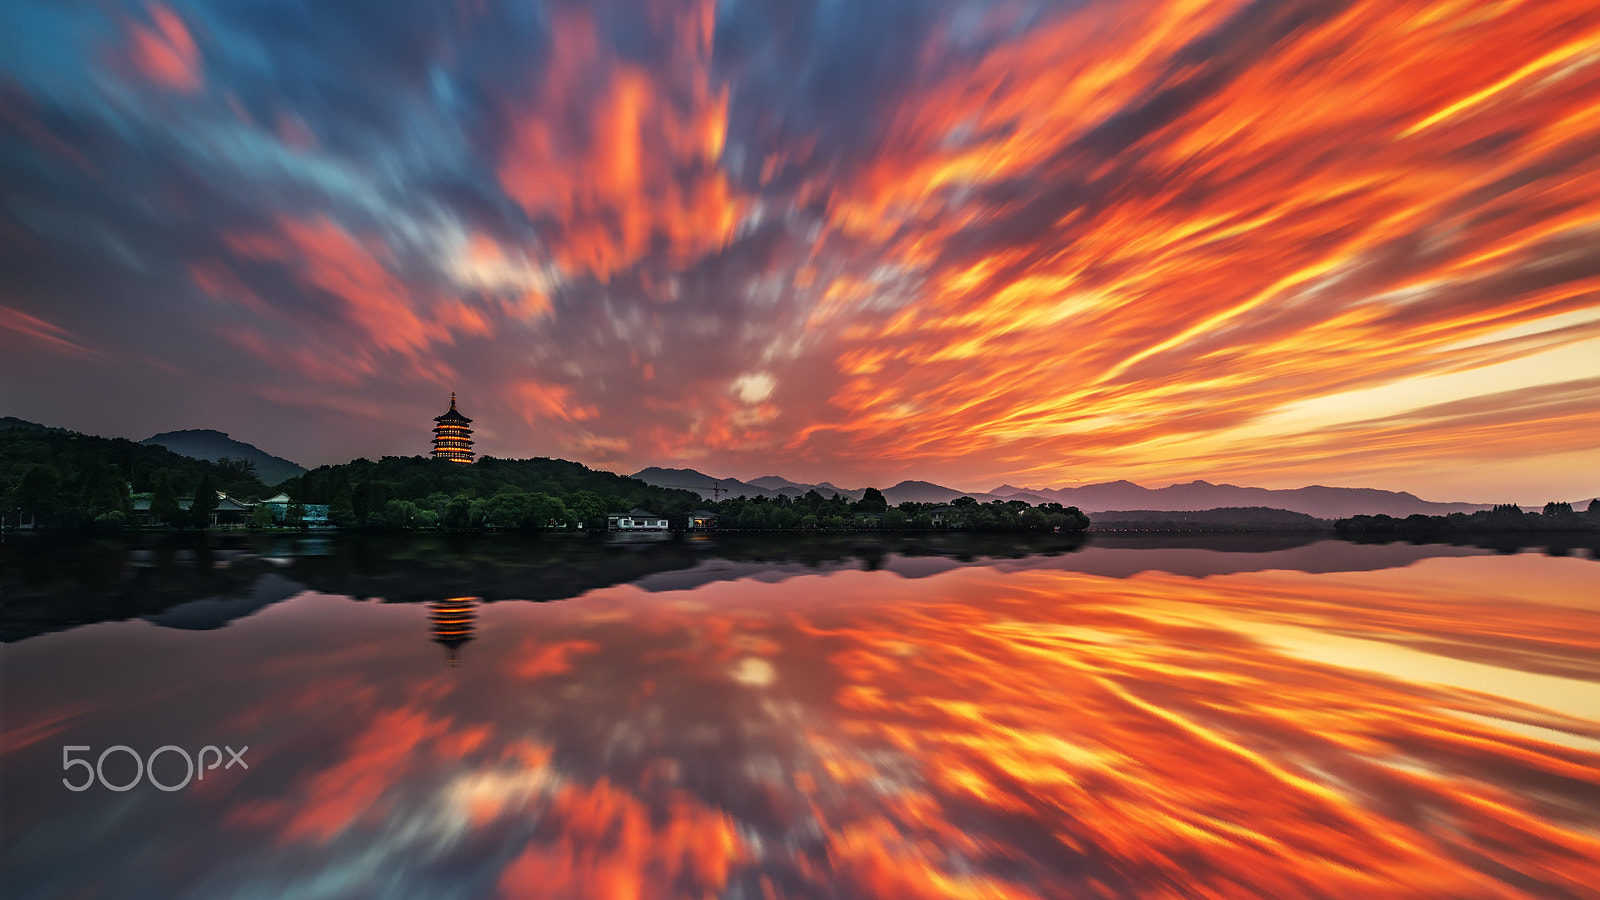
x,y
641,169
42,333
324,256
1318,221
386,313
166,53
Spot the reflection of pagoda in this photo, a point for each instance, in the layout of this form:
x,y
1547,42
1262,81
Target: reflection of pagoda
x,y
452,438
452,623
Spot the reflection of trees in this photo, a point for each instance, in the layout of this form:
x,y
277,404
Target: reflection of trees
x,y
51,583
54,583
1507,542
420,568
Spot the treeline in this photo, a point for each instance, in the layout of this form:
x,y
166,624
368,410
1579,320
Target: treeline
x,y
60,479
813,512
419,493
1227,518
416,492
56,479
1506,517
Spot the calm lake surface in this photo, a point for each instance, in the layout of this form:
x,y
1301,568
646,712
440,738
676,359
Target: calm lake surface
x,y
1250,716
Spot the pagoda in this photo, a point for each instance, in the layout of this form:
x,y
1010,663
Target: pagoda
x,y
452,622
452,436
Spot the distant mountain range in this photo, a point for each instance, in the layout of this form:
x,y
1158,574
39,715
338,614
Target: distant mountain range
x,y
204,443
1316,500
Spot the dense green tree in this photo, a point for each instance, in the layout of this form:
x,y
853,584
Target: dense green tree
x,y
587,509
204,503
458,512
103,492
546,512
398,515
872,501
342,511
164,502
38,495
260,517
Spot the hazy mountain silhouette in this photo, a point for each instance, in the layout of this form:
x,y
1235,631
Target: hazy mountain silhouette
x,y
205,443
1316,500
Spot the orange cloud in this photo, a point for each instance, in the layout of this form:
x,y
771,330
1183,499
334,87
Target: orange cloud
x,y
1318,220
164,51
357,273
540,401
642,166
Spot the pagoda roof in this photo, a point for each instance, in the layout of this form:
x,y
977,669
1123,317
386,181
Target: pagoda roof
x,y
453,415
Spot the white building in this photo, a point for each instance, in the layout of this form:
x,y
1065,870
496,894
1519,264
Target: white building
x,y
636,519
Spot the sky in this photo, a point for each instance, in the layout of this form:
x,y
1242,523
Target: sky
x,y
1271,243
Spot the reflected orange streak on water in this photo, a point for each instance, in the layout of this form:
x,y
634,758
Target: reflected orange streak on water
x,y
1156,739
1318,222
1031,735
604,843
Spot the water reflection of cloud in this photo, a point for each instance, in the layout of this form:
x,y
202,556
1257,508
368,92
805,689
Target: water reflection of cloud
x,y
976,733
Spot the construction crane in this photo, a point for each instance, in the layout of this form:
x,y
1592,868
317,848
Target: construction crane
x,y
716,489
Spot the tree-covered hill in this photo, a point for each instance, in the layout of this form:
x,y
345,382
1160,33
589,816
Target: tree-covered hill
x,y
63,479
1228,518
416,491
1507,517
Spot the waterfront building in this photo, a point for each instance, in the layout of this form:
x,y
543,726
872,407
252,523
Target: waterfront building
x,y
312,515
636,519
452,435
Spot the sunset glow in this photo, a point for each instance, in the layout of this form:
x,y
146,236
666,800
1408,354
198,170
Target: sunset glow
x,y
1266,243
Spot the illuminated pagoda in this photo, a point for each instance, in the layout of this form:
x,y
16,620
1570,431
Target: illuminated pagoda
x,y
452,623
452,436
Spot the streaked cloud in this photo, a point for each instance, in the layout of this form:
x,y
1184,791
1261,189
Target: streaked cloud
x,y
1038,241
165,52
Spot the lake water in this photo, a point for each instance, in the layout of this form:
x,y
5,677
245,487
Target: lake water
x,y
1272,717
